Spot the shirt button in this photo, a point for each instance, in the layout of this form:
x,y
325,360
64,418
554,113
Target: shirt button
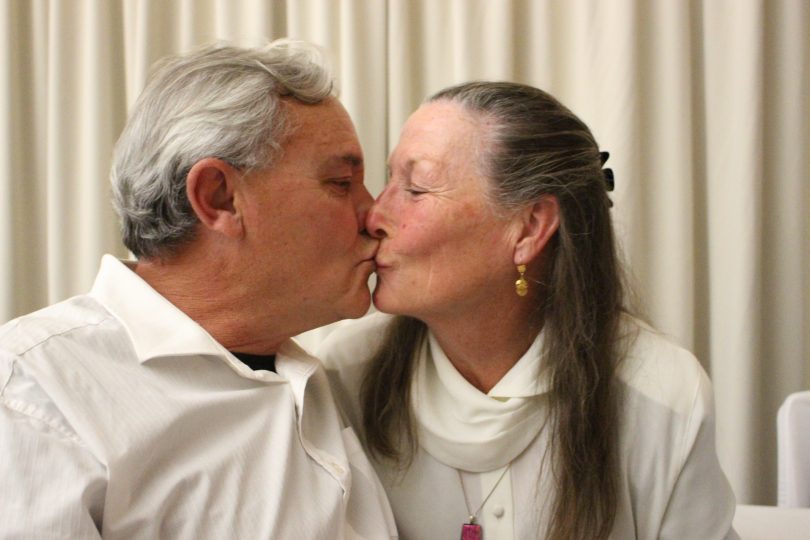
x,y
498,511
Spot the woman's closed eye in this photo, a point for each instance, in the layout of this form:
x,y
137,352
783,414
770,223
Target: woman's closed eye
x,y
413,190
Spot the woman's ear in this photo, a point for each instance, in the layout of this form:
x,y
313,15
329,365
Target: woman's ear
x,y
210,186
540,221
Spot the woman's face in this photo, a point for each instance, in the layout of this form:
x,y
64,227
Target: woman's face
x,y
444,251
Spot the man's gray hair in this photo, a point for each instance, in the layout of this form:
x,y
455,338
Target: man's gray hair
x,y
220,101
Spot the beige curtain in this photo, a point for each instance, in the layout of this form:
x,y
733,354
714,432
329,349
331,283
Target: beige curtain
x,y
704,106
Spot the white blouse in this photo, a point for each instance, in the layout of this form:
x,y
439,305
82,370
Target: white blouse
x,y
671,485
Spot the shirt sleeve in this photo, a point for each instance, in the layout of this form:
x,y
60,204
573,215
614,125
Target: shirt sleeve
x,y
701,504
52,486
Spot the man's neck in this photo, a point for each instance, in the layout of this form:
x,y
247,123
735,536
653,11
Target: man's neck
x,y
209,293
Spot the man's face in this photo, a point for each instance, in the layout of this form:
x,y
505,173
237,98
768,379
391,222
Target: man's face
x,y
305,220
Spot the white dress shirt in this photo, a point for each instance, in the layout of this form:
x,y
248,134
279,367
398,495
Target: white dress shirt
x,y
121,417
670,483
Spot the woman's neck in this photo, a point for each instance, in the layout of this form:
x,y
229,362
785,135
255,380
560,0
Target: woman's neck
x,y
484,346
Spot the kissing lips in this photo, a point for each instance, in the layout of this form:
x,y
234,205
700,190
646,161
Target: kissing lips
x,y
369,262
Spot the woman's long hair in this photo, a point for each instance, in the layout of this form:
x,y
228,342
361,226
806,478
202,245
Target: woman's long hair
x,y
538,147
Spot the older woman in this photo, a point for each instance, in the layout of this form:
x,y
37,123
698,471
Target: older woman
x,y
512,395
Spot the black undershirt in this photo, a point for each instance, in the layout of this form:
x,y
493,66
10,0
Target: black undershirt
x,y
257,361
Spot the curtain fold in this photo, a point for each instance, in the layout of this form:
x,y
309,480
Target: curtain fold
x,y
703,105
734,165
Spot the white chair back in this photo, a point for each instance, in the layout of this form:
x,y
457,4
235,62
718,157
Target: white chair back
x,y
772,523
793,440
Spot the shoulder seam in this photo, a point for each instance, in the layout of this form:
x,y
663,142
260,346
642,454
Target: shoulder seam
x,y
62,333
686,447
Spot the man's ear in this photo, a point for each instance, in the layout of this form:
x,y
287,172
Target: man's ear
x,y
210,186
539,221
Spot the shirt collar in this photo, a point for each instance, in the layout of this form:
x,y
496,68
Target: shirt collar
x,y
469,430
155,325
527,377
524,379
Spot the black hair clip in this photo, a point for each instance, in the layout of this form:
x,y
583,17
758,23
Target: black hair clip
x,y
610,184
607,173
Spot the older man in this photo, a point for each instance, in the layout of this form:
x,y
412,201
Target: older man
x,y
169,402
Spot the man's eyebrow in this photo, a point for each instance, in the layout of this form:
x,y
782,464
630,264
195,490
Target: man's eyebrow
x,y
355,161
352,159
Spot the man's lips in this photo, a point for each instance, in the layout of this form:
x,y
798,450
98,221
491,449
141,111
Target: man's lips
x,y
370,261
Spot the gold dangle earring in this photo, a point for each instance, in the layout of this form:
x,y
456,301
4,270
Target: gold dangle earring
x,y
521,285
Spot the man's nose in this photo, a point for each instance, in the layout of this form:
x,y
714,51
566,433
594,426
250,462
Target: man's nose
x,y
364,202
375,220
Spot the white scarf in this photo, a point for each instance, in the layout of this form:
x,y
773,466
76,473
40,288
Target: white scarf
x,y
462,427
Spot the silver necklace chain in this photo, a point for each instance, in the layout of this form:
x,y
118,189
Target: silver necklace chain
x,y
491,491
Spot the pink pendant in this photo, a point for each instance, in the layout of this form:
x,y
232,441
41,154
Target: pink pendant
x,y
471,531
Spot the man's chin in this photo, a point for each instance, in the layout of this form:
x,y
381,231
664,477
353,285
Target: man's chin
x,y
359,306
